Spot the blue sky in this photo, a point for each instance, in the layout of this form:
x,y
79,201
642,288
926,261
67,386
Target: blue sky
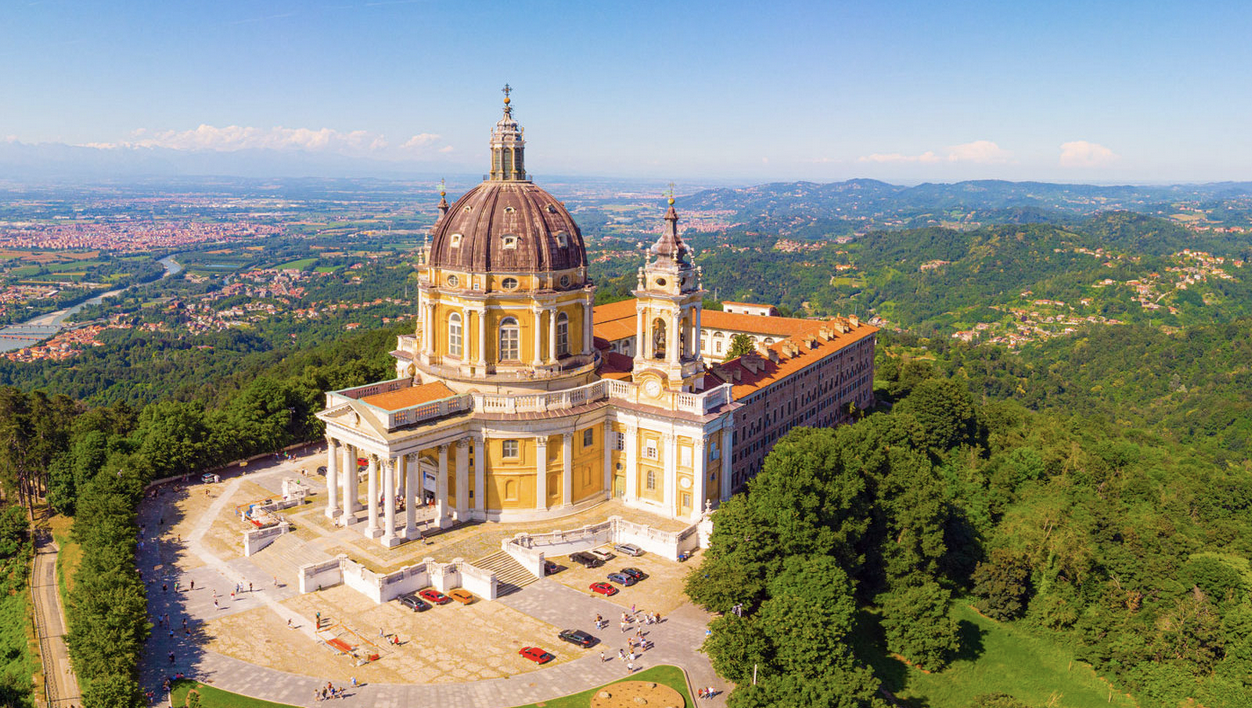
x,y
1094,91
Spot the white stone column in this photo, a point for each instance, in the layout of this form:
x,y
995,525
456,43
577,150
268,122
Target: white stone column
x,y
462,479
640,332
727,447
632,462
608,459
699,331
538,336
589,336
669,477
332,477
541,472
412,492
441,488
671,339
481,359
389,504
480,475
567,469
428,339
699,475
552,335
351,504
402,484
371,502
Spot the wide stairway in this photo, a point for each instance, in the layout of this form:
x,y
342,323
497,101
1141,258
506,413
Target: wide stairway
x,y
286,554
511,576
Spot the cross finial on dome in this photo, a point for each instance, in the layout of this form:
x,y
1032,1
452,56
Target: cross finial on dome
x,y
506,91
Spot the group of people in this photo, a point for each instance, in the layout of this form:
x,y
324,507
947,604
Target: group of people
x,y
327,692
705,692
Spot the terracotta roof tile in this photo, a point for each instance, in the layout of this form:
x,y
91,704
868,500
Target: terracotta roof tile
x,y
405,397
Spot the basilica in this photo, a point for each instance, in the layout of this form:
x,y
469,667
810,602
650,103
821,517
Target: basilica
x,y
517,399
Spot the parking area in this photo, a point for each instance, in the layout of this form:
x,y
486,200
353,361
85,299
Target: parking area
x,y
661,591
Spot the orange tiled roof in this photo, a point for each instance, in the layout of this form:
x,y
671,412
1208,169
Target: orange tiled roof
x,y
745,304
616,321
760,372
405,397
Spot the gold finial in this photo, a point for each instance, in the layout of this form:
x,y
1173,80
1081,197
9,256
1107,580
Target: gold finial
x,y
669,193
443,191
507,90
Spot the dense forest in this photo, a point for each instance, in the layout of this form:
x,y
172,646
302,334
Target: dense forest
x,y
1112,539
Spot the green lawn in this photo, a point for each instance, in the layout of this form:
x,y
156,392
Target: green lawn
x,y
298,265
996,658
326,269
17,658
211,697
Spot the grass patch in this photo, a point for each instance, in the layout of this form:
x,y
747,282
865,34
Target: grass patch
x,y
18,662
70,555
326,269
995,657
671,676
215,697
298,265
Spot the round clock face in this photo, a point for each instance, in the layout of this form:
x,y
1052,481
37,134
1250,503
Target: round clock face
x,y
652,388
685,483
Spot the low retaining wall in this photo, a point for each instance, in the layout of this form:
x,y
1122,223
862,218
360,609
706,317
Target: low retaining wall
x,y
530,549
315,576
256,539
382,588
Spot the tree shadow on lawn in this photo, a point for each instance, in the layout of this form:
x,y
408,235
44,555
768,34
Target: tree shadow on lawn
x,y
971,636
869,644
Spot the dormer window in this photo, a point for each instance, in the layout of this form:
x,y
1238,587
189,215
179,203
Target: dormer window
x,y
508,242
509,283
453,281
456,239
467,208
509,210
551,209
562,240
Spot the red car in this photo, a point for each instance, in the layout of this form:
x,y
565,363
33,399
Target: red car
x,y
433,595
604,589
536,655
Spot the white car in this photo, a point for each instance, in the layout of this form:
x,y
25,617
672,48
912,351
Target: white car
x,y
602,555
629,549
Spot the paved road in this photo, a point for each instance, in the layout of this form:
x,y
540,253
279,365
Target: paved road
x,y
676,640
62,683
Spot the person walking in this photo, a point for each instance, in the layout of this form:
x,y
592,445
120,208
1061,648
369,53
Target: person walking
x,y
602,659
249,587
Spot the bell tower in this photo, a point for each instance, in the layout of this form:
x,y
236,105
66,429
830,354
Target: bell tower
x,y
670,300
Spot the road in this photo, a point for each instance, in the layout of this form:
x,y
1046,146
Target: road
x,y
50,621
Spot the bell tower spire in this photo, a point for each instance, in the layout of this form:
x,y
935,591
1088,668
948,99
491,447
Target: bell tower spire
x,y
507,145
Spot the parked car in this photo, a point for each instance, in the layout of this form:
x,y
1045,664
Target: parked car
x,y
577,636
461,595
622,579
550,568
536,655
604,589
628,549
414,603
633,572
602,554
435,597
586,560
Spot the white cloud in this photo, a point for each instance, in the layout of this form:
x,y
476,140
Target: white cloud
x,y
235,137
979,151
420,140
1081,153
897,157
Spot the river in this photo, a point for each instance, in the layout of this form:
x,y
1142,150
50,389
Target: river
x,y
36,330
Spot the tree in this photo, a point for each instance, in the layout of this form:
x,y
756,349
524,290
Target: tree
x,y
946,413
740,345
1003,584
917,624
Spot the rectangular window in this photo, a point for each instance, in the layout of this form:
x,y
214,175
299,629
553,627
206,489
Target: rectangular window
x,y
651,479
510,449
684,456
715,452
620,442
650,451
686,501
589,437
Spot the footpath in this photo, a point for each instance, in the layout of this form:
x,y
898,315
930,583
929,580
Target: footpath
x,y
50,624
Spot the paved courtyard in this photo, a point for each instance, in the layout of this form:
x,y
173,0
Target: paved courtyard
x,y
264,643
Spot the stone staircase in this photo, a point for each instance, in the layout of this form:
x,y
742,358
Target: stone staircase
x,y
286,554
511,576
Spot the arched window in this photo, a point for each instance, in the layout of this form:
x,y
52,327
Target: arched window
x,y
509,283
510,490
658,338
454,335
510,340
562,334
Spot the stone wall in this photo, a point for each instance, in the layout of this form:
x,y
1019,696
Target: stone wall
x,y
256,539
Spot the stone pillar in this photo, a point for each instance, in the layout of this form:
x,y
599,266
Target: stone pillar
x,y
640,332
462,479
371,502
480,475
699,476
412,492
441,488
699,331
552,335
389,504
589,336
725,450
567,469
332,478
351,504
669,477
428,339
632,462
538,336
608,460
481,359
541,472
672,343
402,484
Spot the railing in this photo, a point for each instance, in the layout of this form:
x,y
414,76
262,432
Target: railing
x,y
429,410
359,392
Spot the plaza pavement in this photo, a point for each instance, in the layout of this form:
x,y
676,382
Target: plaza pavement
x,y
675,641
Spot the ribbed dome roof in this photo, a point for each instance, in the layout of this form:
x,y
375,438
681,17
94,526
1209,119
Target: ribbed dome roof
x,y
507,226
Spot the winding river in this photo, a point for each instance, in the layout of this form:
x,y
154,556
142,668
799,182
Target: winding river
x,y
35,330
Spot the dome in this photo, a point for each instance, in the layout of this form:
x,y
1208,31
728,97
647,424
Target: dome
x,y
507,227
